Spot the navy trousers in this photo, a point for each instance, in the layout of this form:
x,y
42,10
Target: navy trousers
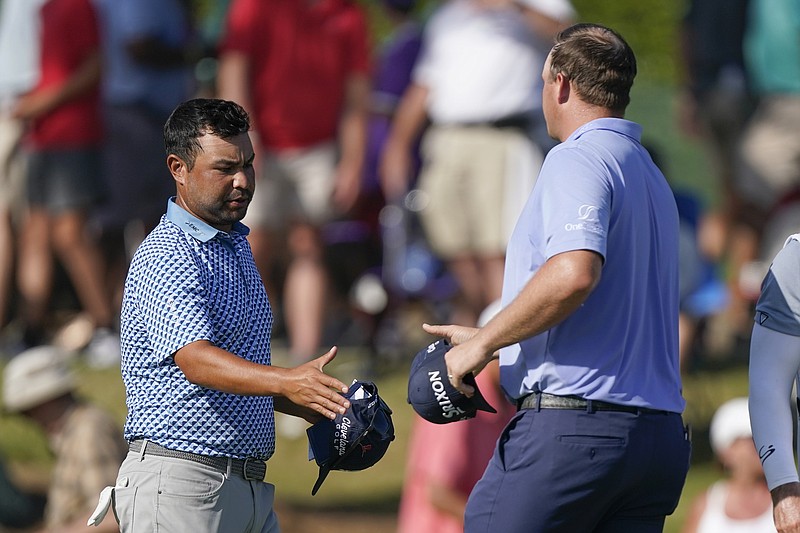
x,y
577,471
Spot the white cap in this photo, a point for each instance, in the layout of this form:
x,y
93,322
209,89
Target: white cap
x,y
36,376
730,422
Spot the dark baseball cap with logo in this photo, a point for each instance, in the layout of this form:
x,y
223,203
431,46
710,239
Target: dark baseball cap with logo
x,y
356,439
432,395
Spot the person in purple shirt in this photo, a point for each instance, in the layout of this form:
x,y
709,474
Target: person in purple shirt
x,y
588,333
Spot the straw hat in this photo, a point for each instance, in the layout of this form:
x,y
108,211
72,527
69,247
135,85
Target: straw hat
x,y
36,376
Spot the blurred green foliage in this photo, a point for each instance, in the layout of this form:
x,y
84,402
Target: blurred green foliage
x,y
649,26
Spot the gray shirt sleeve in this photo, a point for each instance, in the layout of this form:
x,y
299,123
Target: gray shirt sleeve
x,y
778,307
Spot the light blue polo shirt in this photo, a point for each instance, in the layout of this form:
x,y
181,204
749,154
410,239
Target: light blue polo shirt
x,y
187,282
599,190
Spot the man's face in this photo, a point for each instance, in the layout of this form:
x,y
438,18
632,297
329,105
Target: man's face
x,y
219,187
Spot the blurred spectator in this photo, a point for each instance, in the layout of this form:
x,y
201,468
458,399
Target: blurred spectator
x,y
19,72
446,461
63,178
87,443
741,501
769,164
703,294
716,100
18,509
302,71
714,106
148,50
477,81
393,70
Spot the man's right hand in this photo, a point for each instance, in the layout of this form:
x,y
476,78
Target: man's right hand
x,y
786,507
308,387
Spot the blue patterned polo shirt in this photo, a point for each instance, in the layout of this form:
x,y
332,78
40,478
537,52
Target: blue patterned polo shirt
x,y
187,282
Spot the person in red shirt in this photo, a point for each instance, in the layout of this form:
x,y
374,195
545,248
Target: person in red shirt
x,y
63,179
301,68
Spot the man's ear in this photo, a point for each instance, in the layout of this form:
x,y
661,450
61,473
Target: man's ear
x,y
564,88
177,167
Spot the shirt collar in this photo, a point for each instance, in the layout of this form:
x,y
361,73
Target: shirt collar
x,y
200,230
619,125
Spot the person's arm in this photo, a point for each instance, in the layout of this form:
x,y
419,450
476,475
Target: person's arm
x,y
306,386
40,102
774,363
445,499
695,514
353,142
547,19
786,507
395,164
557,289
233,83
233,78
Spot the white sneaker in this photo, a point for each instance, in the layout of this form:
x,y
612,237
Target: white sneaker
x,y
103,350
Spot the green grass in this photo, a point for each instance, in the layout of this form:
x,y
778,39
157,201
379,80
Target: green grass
x,y
378,488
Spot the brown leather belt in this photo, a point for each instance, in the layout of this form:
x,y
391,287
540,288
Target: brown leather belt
x,y
251,469
543,400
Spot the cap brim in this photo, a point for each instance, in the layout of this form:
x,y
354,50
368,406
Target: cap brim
x,y
323,473
478,400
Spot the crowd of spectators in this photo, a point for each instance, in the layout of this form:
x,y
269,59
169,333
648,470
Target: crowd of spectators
x,y
437,118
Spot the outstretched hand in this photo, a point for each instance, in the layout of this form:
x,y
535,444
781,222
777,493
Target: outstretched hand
x,y
786,511
466,356
309,387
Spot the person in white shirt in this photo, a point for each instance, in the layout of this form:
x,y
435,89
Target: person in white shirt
x,y
477,82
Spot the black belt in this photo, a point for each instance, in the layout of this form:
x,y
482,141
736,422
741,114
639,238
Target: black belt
x,y
521,122
250,469
542,400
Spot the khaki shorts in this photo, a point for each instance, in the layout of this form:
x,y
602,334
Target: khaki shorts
x,y
294,185
477,180
12,163
770,151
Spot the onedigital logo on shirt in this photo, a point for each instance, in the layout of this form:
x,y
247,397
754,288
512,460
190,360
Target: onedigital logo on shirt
x,y
589,218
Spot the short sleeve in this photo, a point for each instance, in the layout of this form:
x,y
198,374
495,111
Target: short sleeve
x,y
574,198
778,306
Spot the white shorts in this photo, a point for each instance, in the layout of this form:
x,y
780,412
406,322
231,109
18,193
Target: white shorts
x,y
294,185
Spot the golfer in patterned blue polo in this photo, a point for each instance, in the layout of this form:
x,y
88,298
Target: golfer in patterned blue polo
x,y
588,333
196,347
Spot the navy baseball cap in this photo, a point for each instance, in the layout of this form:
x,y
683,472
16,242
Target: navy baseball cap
x,y
432,395
356,439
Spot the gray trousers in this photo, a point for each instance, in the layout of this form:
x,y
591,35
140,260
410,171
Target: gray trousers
x,y
175,495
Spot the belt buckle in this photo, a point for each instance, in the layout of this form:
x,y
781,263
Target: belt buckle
x,y
254,462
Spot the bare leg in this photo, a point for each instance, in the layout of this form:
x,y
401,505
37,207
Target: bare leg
x,y
305,293
35,272
480,280
82,260
7,255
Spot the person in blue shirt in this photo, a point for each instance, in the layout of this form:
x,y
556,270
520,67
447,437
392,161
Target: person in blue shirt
x,y
588,333
196,325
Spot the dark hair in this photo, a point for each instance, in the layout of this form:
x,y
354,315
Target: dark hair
x,y
194,118
599,63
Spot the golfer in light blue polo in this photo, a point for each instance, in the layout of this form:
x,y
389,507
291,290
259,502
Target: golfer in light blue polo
x,y
588,333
